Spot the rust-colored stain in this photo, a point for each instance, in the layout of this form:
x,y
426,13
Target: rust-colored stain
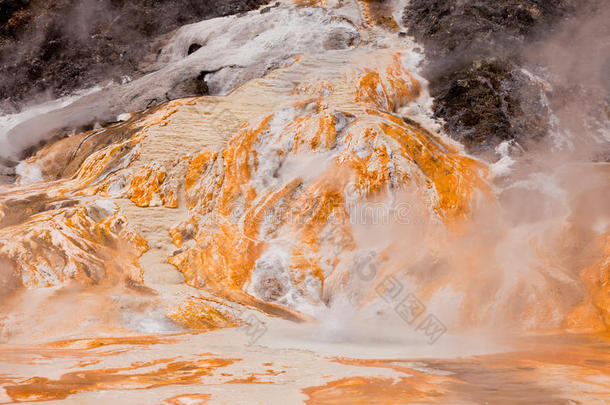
x,y
255,378
169,372
387,89
189,399
361,390
147,184
251,379
198,314
111,341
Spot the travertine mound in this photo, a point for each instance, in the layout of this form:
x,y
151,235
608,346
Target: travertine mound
x,y
318,182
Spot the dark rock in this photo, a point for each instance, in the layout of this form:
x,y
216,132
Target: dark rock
x,y
476,28
474,65
57,46
194,86
490,101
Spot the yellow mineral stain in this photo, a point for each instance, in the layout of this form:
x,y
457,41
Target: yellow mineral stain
x,y
386,89
146,183
198,314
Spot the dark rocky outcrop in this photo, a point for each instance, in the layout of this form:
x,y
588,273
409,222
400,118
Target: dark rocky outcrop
x,y
474,50
57,46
